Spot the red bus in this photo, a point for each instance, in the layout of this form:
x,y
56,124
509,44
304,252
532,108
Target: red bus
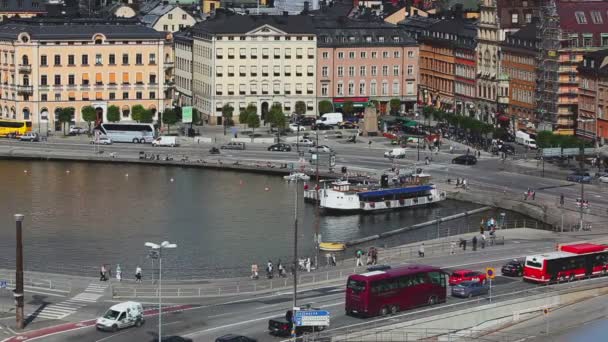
x,y
383,292
569,263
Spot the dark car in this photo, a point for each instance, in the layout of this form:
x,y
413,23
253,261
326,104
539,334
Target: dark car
x,y
513,268
465,160
579,177
322,127
468,289
280,147
508,149
233,146
307,121
235,338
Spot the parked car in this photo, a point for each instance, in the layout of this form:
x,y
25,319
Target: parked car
x,y
513,268
322,127
170,141
30,136
459,276
235,338
465,160
307,121
579,177
233,146
77,130
306,142
347,125
320,149
280,147
102,140
468,289
603,179
214,150
295,127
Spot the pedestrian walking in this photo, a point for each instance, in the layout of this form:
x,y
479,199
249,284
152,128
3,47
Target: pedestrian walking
x,y
452,247
483,241
102,273
358,255
451,149
368,259
374,255
369,144
254,271
333,259
474,241
525,195
308,264
118,273
138,274
426,160
269,269
533,195
464,183
561,200
478,154
281,270
328,259
421,250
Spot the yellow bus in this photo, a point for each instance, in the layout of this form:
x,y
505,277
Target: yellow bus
x,y
14,127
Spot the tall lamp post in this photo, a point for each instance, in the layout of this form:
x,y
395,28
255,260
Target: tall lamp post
x,y
295,260
18,292
159,248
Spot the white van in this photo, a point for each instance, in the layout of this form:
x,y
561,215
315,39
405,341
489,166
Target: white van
x,y
395,153
120,316
525,139
330,119
165,141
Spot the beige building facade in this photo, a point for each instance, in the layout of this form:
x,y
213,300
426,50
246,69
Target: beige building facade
x,y
46,65
263,60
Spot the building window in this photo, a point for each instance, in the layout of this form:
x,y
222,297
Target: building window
x,y
385,70
374,70
112,59
324,89
340,55
98,59
351,55
351,88
587,40
139,59
596,17
71,60
362,88
362,71
125,95
340,71
43,80
287,70
372,88
325,55
351,71
340,89
125,59
385,54
44,97
287,88
410,54
395,87
396,54
152,58
395,70
410,70
528,17
374,54
324,71
514,18
152,95
287,53
580,17
309,89
57,97
112,96
57,80
139,95
43,61
152,79
57,60
604,39
384,88
71,80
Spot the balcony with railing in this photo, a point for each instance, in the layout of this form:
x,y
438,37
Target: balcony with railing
x,y
25,68
25,89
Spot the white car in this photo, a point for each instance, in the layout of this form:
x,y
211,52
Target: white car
x,y
321,149
103,140
295,127
77,130
604,179
306,142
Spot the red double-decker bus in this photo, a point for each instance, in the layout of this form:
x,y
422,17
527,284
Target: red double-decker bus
x,y
570,262
383,292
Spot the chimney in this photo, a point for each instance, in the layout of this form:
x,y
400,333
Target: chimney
x,y
415,12
306,7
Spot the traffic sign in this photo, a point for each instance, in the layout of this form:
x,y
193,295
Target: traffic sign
x,y
490,272
312,318
552,152
3,284
571,151
590,151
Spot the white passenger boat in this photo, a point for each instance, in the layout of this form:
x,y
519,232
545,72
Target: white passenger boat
x,y
296,176
404,192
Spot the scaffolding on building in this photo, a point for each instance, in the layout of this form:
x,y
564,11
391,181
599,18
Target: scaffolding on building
x,y
548,37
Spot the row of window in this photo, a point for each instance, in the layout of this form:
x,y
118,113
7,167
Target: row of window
x,y
265,38
242,105
519,59
437,65
464,89
253,70
465,71
99,79
521,95
355,39
520,74
99,59
363,54
363,71
438,83
85,96
373,88
253,53
253,89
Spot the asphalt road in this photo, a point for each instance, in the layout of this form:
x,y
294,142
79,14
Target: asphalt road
x,y
249,315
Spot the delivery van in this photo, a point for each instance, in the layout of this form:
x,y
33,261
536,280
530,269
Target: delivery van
x,y
122,315
165,141
395,153
330,119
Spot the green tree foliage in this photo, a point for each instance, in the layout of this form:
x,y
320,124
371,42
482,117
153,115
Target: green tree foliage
x,y
253,122
243,115
325,106
348,108
137,113
88,115
146,116
113,113
276,117
394,104
227,112
547,139
300,107
65,115
170,118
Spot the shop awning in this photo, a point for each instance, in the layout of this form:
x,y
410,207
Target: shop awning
x,y
358,102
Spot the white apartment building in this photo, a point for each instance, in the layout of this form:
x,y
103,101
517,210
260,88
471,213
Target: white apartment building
x,y
183,68
263,60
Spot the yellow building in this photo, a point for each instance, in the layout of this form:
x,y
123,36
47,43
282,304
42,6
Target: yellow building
x,y
49,64
209,6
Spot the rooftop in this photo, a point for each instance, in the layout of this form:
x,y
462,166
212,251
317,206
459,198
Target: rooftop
x,y
23,6
226,23
583,16
81,29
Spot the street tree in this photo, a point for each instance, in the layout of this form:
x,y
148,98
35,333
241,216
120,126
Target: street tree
x,y
147,116
252,109
113,113
65,115
169,118
325,106
394,104
253,122
88,115
348,108
300,107
137,113
427,112
243,115
227,111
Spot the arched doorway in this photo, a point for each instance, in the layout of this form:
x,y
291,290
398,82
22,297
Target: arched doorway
x,y
56,120
5,111
126,111
26,113
264,110
98,117
13,113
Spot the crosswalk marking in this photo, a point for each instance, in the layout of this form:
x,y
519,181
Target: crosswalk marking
x,y
67,307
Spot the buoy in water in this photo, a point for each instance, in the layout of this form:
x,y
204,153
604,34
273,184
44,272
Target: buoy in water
x,y
67,171
171,180
126,175
266,189
24,171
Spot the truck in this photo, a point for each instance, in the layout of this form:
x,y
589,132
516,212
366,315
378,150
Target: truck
x,y
395,153
122,315
525,139
165,141
330,119
282,326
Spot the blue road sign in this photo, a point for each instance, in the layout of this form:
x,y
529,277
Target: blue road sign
x,y
3,284
312,318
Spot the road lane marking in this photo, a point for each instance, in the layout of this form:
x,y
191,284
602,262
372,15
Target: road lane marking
x,y
114,335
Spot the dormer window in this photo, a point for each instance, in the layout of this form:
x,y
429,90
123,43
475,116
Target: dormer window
x,y
596,17
580,17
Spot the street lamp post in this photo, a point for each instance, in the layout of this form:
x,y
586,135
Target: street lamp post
x,y
18,293
160,247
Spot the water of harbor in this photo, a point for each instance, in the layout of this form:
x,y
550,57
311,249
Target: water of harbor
x,y
82,215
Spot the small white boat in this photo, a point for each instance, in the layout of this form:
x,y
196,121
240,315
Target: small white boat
x,y
297,176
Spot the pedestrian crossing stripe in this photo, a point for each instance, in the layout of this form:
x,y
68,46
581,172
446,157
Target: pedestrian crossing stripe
x,y
68,307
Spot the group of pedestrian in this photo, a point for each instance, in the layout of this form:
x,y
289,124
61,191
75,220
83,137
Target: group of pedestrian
x,y
330,259
529,194
461,182
372,257
105,273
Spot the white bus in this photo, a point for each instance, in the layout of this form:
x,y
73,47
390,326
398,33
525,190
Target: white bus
x,y
129,132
